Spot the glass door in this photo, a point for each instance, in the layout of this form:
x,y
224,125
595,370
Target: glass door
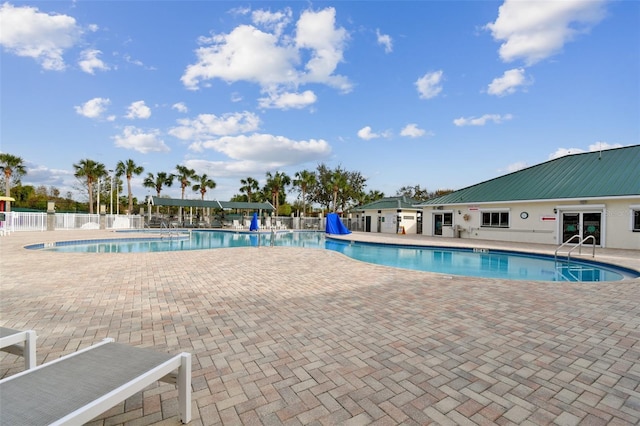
x,y
591,224
437,224
583,224
570,226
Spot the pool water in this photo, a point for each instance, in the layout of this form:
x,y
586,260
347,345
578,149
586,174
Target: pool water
x,y
469,262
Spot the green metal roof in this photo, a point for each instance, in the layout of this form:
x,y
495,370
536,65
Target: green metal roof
x,y
390,203
215,204
608,173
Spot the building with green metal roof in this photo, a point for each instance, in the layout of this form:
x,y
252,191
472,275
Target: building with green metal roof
x,y
390,215
592,197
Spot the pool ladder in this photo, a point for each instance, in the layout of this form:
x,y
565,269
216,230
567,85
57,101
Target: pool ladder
x,y
169,230
577,246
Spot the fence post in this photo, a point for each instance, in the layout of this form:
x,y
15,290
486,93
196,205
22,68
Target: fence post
x,y
103,216
51,216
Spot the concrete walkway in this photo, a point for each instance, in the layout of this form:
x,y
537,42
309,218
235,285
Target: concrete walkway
x,y
303,336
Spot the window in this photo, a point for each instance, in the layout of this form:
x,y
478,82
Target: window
x,y
495,219
447,219
636,220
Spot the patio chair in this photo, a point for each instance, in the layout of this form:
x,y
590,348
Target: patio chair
x,y
21,343
77,387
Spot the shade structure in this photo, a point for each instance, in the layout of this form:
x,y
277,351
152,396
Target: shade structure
x,y
335,225
254,223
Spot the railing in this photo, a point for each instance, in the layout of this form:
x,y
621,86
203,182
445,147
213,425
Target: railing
x,y
577,246
28,221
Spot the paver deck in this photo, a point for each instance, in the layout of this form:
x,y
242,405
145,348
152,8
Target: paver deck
x,y
306,336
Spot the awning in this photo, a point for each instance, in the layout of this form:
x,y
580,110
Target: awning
x,y
214,204
3,198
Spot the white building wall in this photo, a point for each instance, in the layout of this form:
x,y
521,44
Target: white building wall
x,y
408,219
538,222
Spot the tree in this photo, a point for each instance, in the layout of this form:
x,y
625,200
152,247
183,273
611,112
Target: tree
x,y
90,171
413,192
183,175
11,166
338,183
157,182
304,180
277,184
249,187
129,168
371,196
203,183
322,191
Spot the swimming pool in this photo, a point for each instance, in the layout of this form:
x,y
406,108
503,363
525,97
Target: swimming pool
x,y
451,261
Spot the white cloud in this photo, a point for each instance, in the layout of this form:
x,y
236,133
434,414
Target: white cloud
x,y
481,121
510,81
514,167
598,146
180,107
271,58
535,30
93,108
430,85
136,139
317,32
89,61
385,40
366,133
207,126
412,130
138,109
30,33
288,100
275,150
274,21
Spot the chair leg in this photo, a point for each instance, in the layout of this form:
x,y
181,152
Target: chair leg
x,y
184,388
30,350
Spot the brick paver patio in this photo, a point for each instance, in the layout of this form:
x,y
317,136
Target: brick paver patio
x,y
303,336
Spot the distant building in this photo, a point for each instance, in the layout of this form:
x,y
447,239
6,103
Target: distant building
x,y
391,215
594,195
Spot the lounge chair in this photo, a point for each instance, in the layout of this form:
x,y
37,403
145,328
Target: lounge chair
x,y
21,343
80,386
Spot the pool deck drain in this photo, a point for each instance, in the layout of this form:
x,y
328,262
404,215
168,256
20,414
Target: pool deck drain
x,y
295,336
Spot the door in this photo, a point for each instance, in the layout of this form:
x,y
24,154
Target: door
x,y
583,224
437,224
367,223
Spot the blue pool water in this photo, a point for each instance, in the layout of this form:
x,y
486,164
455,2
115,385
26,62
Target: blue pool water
x,y
468,262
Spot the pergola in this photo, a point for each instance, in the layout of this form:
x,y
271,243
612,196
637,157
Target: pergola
x,y
213,204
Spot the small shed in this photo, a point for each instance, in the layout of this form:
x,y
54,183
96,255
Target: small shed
x,y
391,215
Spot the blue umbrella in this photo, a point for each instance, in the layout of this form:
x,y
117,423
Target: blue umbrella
x,y
254,223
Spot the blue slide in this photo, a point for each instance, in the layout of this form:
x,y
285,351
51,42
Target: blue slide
x,y
335,226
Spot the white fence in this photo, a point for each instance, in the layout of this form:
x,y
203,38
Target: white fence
x,y
20,221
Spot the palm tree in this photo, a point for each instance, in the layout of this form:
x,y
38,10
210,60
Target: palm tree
x,y
183,175
91,171
277,184
304,180
249,186
11,165
129,168
157,182
338,183
203,183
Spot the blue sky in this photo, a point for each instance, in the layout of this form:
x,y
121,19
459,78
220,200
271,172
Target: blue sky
x,y
437,94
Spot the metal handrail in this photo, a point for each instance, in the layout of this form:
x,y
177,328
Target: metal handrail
x,y
593,254
577,246
555,255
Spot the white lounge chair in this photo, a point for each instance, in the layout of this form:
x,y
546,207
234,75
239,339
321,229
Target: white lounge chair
x,y
21,343
77,387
